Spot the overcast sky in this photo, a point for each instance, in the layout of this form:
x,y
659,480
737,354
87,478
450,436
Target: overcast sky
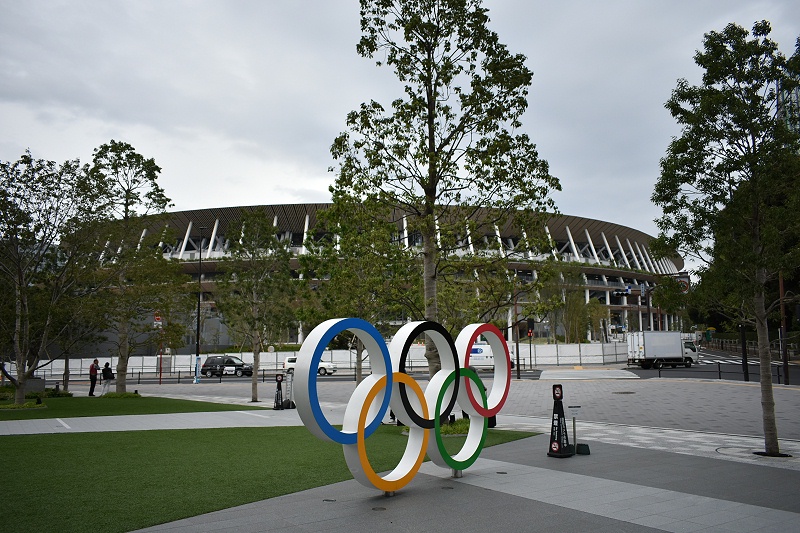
x,y
239,101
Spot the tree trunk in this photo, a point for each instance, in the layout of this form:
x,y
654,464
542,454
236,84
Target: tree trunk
x,y
429,284
20,334
24,372
431,306
359,360
122,362
65,376
19,392
771,446
429,242
256,364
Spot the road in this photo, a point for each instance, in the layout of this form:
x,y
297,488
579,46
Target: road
x,y
715,364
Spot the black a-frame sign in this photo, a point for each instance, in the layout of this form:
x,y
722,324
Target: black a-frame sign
x,y
559,439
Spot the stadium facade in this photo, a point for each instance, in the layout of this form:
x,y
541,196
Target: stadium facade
x,y
612,258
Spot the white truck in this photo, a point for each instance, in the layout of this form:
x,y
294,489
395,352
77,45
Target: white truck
x,y
654,349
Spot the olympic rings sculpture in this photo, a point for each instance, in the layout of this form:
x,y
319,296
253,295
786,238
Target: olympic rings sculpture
x,y
389,386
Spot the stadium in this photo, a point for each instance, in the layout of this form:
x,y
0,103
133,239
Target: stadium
x,y
616,265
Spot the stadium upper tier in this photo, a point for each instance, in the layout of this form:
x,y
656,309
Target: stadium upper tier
x,y
602,247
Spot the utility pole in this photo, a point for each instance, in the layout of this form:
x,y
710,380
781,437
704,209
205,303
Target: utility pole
x,y
784,331
745,368
199,299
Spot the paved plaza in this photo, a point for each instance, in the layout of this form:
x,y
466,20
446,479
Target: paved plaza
x,y
666,455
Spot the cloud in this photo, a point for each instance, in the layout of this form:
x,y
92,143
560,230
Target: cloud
x,y
239,101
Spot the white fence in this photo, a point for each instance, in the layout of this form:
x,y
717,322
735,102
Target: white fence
x,y
535,355
530,356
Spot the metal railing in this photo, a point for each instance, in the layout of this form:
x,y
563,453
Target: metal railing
x,y
726,370
734,345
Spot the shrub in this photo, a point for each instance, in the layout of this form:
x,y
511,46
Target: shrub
x,y
49,393
6,392
26,405
459,427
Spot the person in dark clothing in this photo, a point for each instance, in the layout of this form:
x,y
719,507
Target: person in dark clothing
x,y
108,377
93,376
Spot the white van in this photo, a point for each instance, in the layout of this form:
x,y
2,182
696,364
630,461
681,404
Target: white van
x,y
481,356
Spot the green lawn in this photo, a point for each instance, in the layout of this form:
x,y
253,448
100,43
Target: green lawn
x,y
128,480
85,406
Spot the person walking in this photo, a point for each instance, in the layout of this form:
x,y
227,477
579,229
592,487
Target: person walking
x,y
108,377
93,376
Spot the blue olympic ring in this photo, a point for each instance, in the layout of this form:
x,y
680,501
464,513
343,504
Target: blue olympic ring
x,y
374,344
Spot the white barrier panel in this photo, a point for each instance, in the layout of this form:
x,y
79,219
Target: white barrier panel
x,y
530,356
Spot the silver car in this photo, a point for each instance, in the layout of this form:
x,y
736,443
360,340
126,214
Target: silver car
x,y
324,369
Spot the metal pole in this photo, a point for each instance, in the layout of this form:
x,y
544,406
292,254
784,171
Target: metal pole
x,y
160,360
745,369
199,298
516,336
784,331
530,349
516,354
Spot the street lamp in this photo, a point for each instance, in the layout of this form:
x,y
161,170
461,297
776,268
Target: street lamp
x,y
199,298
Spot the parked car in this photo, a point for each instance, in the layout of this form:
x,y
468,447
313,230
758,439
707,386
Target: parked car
x,y
324,367
218,365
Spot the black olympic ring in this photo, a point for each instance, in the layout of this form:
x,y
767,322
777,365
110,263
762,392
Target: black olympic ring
x,y
438,335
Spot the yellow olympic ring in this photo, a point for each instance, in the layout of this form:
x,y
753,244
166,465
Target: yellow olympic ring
x,y
356,454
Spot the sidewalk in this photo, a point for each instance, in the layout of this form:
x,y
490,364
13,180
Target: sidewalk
x,y
666,455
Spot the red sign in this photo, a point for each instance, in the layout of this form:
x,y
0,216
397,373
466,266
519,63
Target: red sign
x,y
558,393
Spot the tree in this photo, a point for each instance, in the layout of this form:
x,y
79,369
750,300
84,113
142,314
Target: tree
x,y
668,296
575,317
544,300
729,183
562,297
139,280
47,251
257,298
470,290
597,314
141,284
448,153
362,269
77,257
